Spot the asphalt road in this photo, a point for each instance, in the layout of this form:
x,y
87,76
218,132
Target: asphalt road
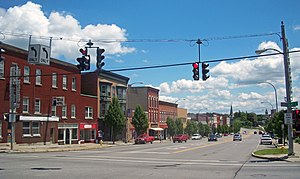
x,y
194,159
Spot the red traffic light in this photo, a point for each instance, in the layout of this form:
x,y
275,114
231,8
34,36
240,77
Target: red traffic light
x,y
83,52
195,65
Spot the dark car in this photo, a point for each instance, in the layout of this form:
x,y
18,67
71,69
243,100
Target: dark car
x,y
212,137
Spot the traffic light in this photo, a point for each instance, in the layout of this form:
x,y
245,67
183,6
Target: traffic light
x,y
296,115
100,58
1,57
84,61
205,71
195,71
81,65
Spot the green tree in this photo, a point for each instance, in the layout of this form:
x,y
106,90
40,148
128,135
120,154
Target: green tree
x,y
179,126
191,127
172,128
237,124
114,118
201,129
207,130
140,120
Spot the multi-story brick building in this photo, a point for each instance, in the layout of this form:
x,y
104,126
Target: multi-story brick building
x,y
166,110
39,119
105,85
148,99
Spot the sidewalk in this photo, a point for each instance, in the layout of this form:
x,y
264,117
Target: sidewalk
x,y
285,157
25,148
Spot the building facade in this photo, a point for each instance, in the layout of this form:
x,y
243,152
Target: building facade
x,y
51,108
166,110
105,85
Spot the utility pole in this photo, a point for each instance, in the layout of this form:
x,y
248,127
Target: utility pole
x,y
288,85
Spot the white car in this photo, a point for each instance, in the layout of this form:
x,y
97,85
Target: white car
x,y
196,137
266,139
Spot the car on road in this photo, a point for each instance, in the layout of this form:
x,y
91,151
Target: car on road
x,y
237,137
143,139
196,137
266,139
180,138
212,137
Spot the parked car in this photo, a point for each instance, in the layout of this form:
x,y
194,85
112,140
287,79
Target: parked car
x,y
196,137
143,139
212,137
180,138
266,139
237,137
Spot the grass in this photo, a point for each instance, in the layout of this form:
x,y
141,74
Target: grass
x,y
276,151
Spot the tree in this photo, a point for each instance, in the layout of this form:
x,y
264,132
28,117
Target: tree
x,y
140,120
206,130
201,128
114,118
191,127
237,124
179,126
172,129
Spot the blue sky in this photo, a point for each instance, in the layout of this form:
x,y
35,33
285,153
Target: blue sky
x,y
234,82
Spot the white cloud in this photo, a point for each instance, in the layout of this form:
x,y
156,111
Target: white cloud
x,y
29,19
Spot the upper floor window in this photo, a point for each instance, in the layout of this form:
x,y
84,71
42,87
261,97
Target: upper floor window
x,y
26,74
106,90
88,112
64,111
121,93
37,106
53,111
54,80
74,84
25,105
38,77
73,111
64,82
2,69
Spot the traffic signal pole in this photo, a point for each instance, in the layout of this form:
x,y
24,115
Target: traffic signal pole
x,y
288,81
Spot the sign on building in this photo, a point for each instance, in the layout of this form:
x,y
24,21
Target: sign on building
x,y
58,101
39,54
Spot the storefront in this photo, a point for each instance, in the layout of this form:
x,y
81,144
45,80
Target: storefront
x,y
88,132
68,133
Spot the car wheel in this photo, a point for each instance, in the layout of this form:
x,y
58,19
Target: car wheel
x,y
173,141
151,142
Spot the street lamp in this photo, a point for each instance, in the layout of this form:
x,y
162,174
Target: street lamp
x,y
275,91
179,100
266,102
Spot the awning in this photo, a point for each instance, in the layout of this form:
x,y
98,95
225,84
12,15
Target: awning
x,y
157,129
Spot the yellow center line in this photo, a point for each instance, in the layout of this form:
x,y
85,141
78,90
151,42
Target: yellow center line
x,y
208,145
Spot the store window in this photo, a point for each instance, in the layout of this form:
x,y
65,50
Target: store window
x,y
31,128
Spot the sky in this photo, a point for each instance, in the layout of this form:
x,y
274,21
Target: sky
x,y
140,33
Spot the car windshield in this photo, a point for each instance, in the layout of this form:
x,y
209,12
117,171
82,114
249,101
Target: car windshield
x,y
195,134
266,135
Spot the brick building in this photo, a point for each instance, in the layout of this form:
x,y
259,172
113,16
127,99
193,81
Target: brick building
x,y
39,119
148,99
105,85
166,110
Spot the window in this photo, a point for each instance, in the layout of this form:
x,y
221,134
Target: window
x,y
38,78
54,80
73,111
1,129
53,111
37,106
25,105
74,84
88,112
26,74
64,111
64,82
2,69
31,128
74,134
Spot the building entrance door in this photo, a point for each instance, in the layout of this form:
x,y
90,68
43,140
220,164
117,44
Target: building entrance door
x,y
68,136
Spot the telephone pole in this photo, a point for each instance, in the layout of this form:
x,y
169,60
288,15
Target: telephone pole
x,y
288,86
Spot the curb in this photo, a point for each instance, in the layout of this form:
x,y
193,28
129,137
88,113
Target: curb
x,y
271,157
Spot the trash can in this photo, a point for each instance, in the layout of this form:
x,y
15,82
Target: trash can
x,y
280,141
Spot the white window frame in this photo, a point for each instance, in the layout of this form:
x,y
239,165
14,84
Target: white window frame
x,y
64,111
37,105
31,128
54,80
26,74
65,82
73,111
38,78
25,105
2,69
73,83
53,111
88,112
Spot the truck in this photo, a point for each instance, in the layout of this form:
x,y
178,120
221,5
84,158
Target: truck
x,y
180,138
143,139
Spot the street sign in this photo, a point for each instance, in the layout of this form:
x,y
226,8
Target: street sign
x,y
288,118
39,54
292,104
